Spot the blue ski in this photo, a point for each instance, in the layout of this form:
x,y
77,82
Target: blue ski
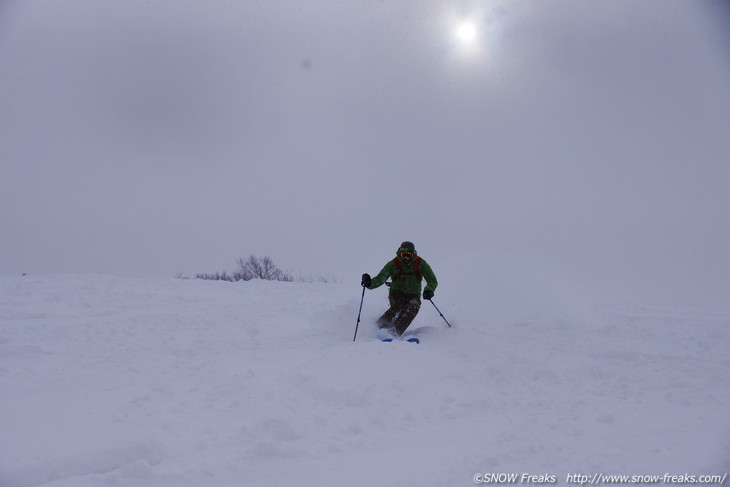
x,y
412,340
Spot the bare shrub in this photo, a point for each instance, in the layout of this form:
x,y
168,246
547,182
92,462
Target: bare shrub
x,y
218,276
261,268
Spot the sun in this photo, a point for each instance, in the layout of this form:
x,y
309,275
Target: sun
x,y
466,33
473,36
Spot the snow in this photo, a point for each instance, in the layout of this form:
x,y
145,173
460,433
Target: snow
x,y
169,382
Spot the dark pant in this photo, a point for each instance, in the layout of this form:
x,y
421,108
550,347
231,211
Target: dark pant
x,y
403,309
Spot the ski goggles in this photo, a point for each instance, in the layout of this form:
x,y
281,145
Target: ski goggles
x,y
405,254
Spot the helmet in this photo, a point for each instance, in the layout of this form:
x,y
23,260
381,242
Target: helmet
x,y
406,251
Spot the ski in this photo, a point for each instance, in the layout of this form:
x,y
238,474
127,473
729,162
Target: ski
x,y
411,340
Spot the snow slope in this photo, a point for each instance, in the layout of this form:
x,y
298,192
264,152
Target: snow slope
x,y
168,382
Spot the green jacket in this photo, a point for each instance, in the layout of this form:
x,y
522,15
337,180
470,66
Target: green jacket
x,y
406,280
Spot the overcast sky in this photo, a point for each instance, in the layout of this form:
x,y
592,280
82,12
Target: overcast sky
x,y
147,138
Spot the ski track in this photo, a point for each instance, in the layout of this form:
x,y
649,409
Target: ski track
x,y
144,382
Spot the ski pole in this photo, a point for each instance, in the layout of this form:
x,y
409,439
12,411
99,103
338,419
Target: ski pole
x,y
359,313
439,311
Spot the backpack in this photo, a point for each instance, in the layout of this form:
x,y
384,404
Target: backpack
x,y
400,272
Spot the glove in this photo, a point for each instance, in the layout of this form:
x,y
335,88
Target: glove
x,y
427,294
366,280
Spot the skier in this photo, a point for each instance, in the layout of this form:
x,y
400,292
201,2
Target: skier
x,y
406,271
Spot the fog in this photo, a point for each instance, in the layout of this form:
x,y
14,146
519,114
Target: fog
x,y
580,145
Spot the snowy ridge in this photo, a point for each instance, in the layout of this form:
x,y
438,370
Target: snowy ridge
x,y
171,382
